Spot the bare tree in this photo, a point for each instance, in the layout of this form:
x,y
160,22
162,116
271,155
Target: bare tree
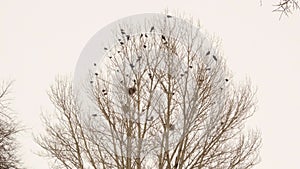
x,y
286,7
159,99
8,131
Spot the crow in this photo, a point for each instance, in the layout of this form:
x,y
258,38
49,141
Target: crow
x,y
152,29
215,58
122,32
169,16
131,65
207,53
163,37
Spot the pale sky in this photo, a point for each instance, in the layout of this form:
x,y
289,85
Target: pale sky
x,y
40,39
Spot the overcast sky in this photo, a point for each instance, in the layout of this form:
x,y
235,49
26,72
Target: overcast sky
x,y
40,39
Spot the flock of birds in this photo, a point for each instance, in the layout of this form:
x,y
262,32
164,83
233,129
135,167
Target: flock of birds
x,y
132,90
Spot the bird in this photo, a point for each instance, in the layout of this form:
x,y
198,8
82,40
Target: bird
x,y
128,37
226,80
122,31
131,90
169,16
91,82
190,66
145,46
146,35
215,58
105,48
163,37
122,43
96,74
141,35
131,65
95,64
152,29
207,53
150,75
94,115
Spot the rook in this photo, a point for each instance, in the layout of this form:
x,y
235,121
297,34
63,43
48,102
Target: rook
x,y
152,29
215,58
207,53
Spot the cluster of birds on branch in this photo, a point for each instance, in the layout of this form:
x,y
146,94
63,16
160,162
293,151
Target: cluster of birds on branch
x,y
132,90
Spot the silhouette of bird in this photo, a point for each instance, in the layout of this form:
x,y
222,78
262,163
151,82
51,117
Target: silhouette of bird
x,y
163,37
152,29
105,48
226,80
91,82
146,35
191,67
94,115
131,65
96,74
145,46
141,35
215,58
150,75
122,43
122,31
128,37
207,53
131,90
95,64
169,16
